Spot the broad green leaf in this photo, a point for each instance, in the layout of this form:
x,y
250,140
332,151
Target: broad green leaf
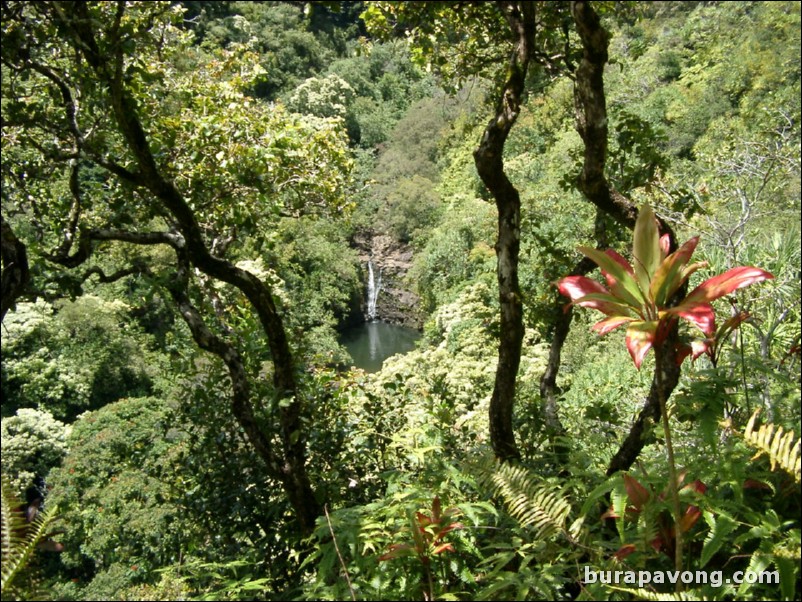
x,y
593,497
630,292
607,304
646,247
669,275
615,286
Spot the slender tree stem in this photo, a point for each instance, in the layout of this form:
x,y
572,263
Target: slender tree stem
x,y
673,486
743,372
339,555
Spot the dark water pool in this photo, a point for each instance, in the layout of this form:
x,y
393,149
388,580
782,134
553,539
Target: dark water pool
x,y
373,342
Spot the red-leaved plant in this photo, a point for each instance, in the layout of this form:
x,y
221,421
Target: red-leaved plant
x,y
638,497
638,295
428,533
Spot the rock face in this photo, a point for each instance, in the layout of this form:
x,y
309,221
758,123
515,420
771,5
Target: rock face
x,y
390,261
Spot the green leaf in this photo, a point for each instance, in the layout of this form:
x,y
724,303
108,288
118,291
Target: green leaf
x,y
669,275
607,304
719,530
593,497
646,247
629,291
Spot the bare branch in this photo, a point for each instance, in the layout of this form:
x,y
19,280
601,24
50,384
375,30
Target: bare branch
x,y
70,104
118,275
88,237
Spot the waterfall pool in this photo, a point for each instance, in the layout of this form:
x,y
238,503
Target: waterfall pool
x,y
373,342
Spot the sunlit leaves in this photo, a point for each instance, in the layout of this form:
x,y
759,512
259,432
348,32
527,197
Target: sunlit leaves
x,y
456,40
242,161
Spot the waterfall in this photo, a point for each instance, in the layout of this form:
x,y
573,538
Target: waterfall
x,y
374,286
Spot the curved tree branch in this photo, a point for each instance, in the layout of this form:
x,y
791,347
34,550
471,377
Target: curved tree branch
x,y
240,385
103,278
126,115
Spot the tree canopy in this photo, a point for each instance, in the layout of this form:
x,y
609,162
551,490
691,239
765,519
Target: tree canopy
x,y
199,199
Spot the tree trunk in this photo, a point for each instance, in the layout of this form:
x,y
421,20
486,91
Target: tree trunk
x,y
591,123
561,326
15,268
490,165
291,462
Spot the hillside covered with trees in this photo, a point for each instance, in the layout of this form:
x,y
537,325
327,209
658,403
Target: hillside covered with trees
x,y
588,211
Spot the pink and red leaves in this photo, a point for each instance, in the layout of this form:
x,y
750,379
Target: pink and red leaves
x,y
670,275
639,295
726,283
639,497
618,273
428,531
576,287
608,324
589,293
638,494
701,316
640,338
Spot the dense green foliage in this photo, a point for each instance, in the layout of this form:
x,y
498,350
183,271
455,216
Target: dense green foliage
x,y
296,130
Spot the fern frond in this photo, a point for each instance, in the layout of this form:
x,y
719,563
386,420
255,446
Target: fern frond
x,y
19,538
781,448
720,529
645,594
530,501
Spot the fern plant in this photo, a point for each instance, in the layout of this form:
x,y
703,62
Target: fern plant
x,y
531,502
645,594
19,537
779,446
536,558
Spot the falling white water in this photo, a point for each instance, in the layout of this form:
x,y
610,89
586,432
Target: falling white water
x,y
374,286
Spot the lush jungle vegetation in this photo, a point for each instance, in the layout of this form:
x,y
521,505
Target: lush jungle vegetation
x,y
601,202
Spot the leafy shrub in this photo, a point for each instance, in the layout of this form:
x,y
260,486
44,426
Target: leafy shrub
x,y
72,356
33,442
120,516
